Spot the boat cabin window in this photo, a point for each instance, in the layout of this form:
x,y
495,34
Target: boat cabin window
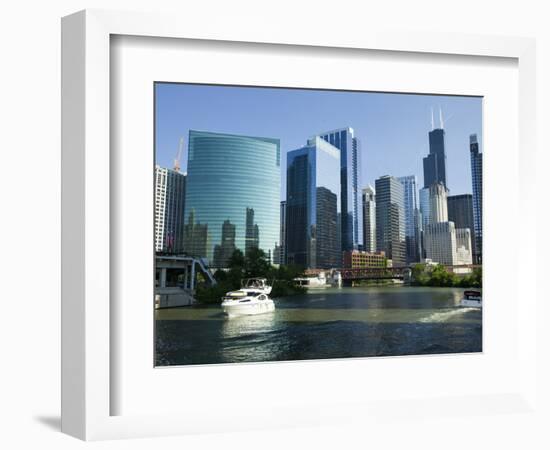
x,y
255,283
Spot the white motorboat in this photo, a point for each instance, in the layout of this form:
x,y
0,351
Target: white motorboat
x,y
319,281
252,298
471,299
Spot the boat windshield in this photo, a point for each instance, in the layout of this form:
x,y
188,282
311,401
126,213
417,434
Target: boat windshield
x,y
254,283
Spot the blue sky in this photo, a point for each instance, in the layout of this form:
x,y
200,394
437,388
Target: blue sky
x,y
393,128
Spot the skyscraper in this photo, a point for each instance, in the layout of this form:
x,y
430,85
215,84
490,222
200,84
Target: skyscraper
x,y
424,197
279,256
441,243
369,219
476,160
438,203
444,242
390,219
169,210
424,219
435,163
313,188
350,181
412,231
237,179
460,209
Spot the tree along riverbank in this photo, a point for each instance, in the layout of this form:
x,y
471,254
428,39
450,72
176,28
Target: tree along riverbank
x,y
252,265
425,275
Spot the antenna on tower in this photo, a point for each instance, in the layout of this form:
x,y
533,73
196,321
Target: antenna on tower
x,y
433,125
441,123
178,156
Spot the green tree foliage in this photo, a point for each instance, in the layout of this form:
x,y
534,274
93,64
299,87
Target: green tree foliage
x,y
423,275
252,265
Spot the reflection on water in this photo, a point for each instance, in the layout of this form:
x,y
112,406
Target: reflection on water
x,y
331,323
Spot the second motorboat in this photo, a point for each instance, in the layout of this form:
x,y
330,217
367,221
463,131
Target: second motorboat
x,y
471,299
251,298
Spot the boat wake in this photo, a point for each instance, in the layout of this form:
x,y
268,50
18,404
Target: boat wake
x,y
443,316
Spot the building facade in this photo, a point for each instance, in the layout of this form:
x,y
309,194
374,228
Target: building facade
x,y
438,203
351,223
369,219
169,210
441,243
280,255
312,198
390,220
476,161
412,231
232,181
424,201
358,259
444,242
460,208
463,246
224,251
424,217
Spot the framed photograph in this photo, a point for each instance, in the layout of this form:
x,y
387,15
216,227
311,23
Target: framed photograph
x,y
271,229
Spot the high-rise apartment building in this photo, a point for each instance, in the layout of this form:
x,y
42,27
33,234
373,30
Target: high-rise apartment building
x,y
412,231
390,219
369,219
350,184
312,198
476,161
169,210
232,180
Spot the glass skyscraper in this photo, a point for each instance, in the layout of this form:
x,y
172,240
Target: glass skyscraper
x,y
424,200
435,170
412,232
350,185
390,219
476,160
312,198
232,196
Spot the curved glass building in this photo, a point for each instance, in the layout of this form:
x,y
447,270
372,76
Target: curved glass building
x,y
232,198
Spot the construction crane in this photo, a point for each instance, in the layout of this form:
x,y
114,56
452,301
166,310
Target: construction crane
x,y
178,156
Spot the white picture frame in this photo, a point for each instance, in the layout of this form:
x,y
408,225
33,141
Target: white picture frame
x,y
87,385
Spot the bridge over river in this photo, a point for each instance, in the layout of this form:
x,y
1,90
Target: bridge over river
x,y
383,273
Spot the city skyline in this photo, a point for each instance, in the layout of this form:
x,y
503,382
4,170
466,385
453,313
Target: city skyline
x,y
384,122
251,223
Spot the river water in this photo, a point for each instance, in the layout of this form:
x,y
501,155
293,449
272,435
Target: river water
x,y
328,323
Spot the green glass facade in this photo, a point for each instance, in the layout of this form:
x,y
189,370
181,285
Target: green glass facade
x,y
233,195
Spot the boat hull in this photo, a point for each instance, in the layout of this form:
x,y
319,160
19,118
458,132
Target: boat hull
x,y
469,303
234,309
